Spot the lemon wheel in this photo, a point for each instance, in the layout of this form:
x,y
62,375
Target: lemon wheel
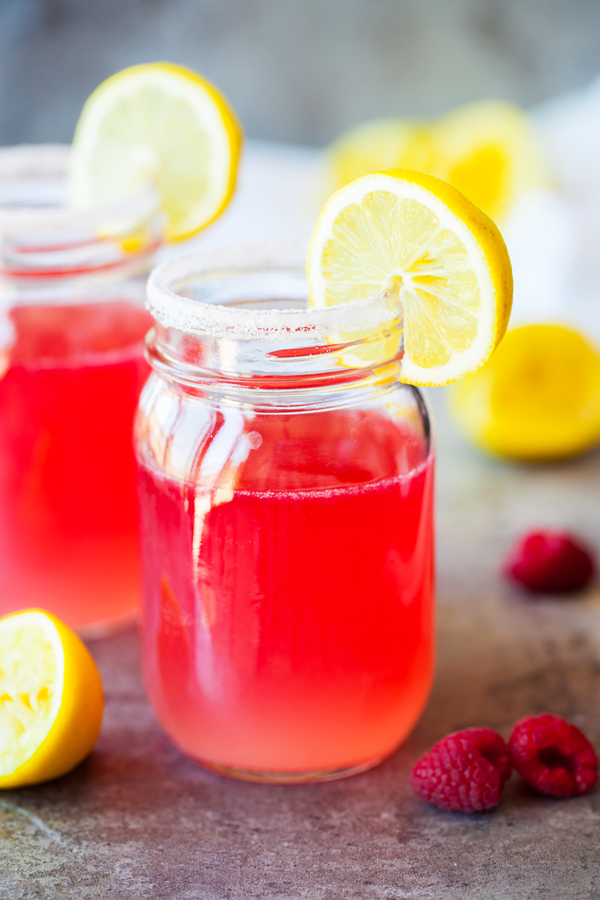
x,y
161,124
417,236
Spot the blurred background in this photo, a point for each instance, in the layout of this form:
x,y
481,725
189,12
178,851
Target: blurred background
x,y
295,70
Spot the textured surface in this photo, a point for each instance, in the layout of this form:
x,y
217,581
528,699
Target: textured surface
x,y
139,821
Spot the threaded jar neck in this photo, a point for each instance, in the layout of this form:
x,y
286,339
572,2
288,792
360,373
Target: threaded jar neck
x,y
50,250
238,321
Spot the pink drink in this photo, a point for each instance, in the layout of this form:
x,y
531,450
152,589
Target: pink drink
x,y
288,623
68,519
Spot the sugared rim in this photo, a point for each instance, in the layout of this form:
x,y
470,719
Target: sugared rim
x,y
174,310
48,161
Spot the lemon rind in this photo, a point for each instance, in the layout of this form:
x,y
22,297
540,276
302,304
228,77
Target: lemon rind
x,y
76,725
471,405
495,288
34,619
224,134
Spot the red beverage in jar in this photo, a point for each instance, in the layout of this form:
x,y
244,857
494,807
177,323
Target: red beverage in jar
x,y
72,367
288,626
68,517
285,483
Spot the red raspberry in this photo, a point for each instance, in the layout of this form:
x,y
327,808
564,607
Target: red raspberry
x,y
550,562
464,772
553,756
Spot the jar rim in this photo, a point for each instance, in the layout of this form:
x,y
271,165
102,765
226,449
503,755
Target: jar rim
x,y
51,161
172,309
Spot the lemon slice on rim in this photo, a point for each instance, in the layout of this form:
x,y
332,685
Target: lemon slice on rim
x,y
417,236
50,699
162,124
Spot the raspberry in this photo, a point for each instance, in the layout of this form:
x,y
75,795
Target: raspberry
x,y
494,748
550,562
464,772
553,756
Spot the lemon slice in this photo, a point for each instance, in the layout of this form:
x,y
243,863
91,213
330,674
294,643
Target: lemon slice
x,y
50,699
538,397
163,124
489,151
415,235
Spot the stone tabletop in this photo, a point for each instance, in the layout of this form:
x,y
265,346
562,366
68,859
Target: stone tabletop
x,y
138,820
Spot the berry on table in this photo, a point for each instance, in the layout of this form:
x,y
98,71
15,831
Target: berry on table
x,y
553,756
550,562
464,772
494,748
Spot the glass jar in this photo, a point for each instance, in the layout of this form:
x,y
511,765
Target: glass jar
x,y
71,295
285,483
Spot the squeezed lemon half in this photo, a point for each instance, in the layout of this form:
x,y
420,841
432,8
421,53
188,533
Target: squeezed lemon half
x,y
50,699
161,124
404,232
538,397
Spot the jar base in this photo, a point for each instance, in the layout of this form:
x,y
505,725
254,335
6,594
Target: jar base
x,y
310,777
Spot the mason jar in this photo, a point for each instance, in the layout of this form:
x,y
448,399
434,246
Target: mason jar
x,y
71,301
285,485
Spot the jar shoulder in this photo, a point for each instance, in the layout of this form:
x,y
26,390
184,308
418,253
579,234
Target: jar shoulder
x,y
188,439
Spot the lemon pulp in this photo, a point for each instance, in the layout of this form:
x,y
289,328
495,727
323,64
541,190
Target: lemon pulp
x,y
538,397
31,682
50,699
414,235
161,124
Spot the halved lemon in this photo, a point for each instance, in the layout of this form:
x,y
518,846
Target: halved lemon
x,y
162,124
376,146
538,397
50,699
415,235
491,152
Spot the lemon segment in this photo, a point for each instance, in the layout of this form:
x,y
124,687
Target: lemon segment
x,y
50,699
538,397
161,124
413,235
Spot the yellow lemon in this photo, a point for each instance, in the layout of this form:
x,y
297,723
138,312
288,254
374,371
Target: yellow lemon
x,y
416,237
488,150
50,699
538,397
378,146
162,124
